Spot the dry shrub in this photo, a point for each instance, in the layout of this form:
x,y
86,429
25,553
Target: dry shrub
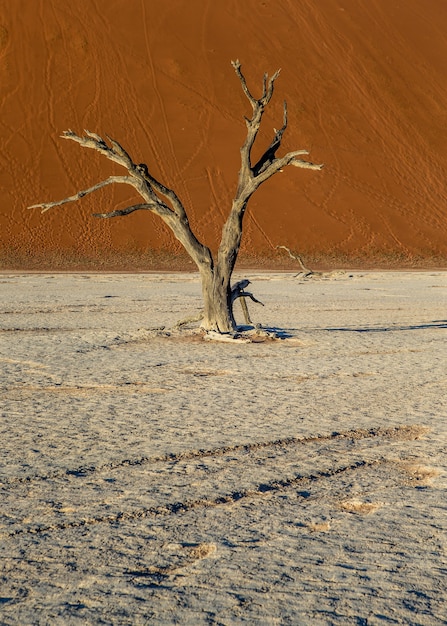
x,y
181,557
419,474
357,506
412,432
203,550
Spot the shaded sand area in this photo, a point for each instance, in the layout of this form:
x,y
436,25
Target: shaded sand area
x,y
152,477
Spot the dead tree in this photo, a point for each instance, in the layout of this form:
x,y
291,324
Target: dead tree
x,y
218,295
306,272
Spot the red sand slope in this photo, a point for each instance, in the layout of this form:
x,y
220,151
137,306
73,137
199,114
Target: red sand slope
x,y
365,83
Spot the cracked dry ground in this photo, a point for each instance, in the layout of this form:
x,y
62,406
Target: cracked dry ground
x,y
150,479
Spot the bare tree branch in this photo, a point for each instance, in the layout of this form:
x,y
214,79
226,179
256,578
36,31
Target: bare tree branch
x,y
254,123
119,150
95,136
250,177
307,165
77,196
277,165
237,67
127,211
270,153
115,153
237,291
267,91
95,142
139,175
148,187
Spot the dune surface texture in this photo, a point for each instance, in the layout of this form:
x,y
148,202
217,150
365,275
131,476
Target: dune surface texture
x,y
365,85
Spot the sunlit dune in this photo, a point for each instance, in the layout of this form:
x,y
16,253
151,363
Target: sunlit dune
x,y
365,86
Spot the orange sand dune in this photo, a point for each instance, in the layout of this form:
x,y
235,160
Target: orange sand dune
x,y
364,81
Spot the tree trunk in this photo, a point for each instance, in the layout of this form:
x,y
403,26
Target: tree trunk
x,y
216,284
218,305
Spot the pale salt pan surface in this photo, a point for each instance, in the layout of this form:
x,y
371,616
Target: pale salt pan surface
x,y
154,479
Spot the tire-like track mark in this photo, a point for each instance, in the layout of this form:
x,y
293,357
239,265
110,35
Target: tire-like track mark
x,y
405,433
261,490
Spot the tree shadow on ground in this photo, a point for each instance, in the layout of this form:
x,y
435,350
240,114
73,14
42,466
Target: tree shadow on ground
x,y
273,331
383,329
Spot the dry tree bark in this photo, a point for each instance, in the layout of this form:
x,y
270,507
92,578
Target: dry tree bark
x,y
218,295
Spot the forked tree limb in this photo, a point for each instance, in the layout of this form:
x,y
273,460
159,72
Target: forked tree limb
x,y
119,155
170,194
237,291
115,153
270,153
152,191
251,176
267,91
253,124
139,178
